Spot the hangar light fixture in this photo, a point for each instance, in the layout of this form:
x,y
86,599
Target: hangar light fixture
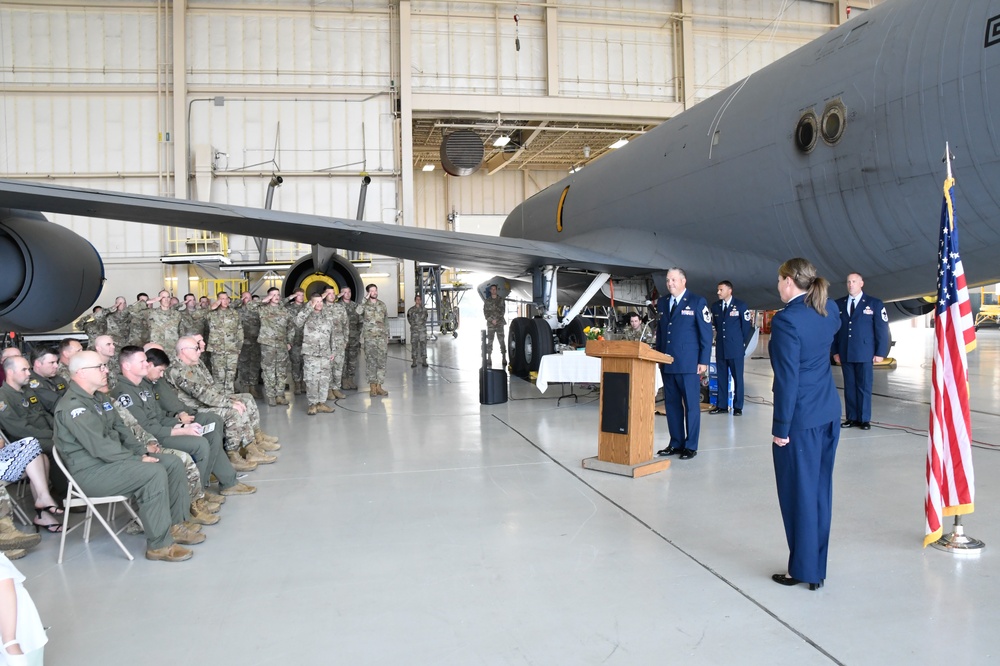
x,y
428,167
501,141
618,144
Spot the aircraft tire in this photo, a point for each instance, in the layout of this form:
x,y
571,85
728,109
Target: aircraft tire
x,y
515,346
573,334
537,343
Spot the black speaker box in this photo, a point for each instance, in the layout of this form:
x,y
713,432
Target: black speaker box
x,y
492,386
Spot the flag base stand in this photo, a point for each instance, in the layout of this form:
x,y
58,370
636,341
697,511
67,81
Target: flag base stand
x,y
957,542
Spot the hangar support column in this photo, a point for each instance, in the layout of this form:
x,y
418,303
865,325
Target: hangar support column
x,y
179,133
406,139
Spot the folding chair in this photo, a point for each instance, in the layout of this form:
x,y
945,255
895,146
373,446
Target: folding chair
x,y
14,505
76,497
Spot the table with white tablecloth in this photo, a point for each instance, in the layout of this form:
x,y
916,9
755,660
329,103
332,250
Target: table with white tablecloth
x,y
573,367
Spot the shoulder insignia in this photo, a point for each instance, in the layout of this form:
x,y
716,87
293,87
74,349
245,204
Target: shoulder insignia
x,y
885,316
76,412
3,406
60,386
706,315
107,406
33,399
125,400
34,383
747,315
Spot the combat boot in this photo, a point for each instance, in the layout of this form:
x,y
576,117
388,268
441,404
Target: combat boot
x,y
191,526
260,434
300,388
240,464
272,402
311,411
12,538
338,394
15,553
254,454
348,383
171,553
265,445
205,505
374,390
324,408
331,395
281,400
239,489
199,516
184,536
424,362
381,391
413,363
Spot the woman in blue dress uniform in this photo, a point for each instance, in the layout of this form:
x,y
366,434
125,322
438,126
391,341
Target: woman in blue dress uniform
x,y
806,423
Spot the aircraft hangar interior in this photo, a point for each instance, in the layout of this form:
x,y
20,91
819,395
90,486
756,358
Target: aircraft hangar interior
x,y
509,479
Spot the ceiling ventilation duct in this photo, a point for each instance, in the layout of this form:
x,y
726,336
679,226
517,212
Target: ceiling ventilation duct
x,y
462,152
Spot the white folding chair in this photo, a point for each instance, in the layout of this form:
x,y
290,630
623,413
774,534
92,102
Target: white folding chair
x,y
76,497
14,505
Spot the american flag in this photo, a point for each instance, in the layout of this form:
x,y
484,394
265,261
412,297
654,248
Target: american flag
x,y
950,481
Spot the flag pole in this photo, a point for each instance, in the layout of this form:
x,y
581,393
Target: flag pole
x,y
958,542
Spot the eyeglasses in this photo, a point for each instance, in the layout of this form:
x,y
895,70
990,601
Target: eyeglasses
x,y
102,366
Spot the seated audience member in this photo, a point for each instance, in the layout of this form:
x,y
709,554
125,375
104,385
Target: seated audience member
x,y
44,380
24,458
106,459
68,347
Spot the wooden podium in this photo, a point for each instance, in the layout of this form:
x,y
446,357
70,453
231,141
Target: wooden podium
x,y
625,434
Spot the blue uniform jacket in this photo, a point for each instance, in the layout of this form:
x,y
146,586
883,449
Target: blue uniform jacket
x,y
733,328
686,335
863,335
804,393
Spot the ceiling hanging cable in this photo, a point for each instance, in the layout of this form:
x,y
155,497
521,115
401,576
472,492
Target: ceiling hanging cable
x,y
517,34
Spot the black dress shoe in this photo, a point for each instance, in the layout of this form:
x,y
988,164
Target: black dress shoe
x,y
669,451
848,424
737,411
687,454
782,579
717,410
865,426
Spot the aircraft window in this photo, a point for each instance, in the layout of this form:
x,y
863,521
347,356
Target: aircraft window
x,y
832,125
805,133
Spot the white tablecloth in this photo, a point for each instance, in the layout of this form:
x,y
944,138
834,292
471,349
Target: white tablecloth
x,y
572,368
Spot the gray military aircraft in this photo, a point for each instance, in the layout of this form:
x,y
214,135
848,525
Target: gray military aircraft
x,y
833,153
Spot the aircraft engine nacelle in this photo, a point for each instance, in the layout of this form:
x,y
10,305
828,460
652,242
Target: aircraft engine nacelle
x,y
48,274
336,271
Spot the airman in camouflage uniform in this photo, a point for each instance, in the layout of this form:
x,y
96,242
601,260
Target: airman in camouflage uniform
x,y
68,348
353,340
417,318
375,331
138,323
296,305
116,321
225,339
635,330
193,319
494,309
277,332
249,364
106,348
105,459
164,322
338,314
317,353
90,325
196,389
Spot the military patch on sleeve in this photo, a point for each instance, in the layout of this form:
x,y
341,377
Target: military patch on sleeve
x,y
885,316
3,406
747,315
24,402
107,406
34,383
60,386
706,315
125,400
76,412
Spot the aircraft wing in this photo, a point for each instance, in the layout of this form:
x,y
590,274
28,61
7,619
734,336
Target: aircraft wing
x,y
505,256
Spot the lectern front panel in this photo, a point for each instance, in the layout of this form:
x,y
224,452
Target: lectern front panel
x,y
614,406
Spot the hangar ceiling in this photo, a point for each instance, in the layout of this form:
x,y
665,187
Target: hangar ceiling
x,y
534,144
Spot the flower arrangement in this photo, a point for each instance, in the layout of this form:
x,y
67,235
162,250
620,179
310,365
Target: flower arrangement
x,y
593,333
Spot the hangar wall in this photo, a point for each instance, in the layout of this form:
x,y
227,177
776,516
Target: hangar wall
x,y
312,89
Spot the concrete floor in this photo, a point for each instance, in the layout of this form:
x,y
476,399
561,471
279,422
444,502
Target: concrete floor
x,y
424,528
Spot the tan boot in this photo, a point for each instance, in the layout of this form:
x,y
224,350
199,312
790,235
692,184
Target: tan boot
x,y
205,506
239,463
272,402
265,445
349,384
330,395
191,527
324,408
184,536
215,499
311,411
381,391
12,538
338,394
263,435
200,517
254,454
281,400
300,388
15,554
239,489
172,553
374,390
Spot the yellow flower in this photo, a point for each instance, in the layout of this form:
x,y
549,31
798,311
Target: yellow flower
x,y
586,329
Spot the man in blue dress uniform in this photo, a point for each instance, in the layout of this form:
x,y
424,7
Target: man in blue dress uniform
x,y
863,339
733,329
685,333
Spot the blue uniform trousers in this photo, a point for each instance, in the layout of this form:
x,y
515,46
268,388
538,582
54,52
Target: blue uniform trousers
x,y
858,390
725,367
682,400
803,470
